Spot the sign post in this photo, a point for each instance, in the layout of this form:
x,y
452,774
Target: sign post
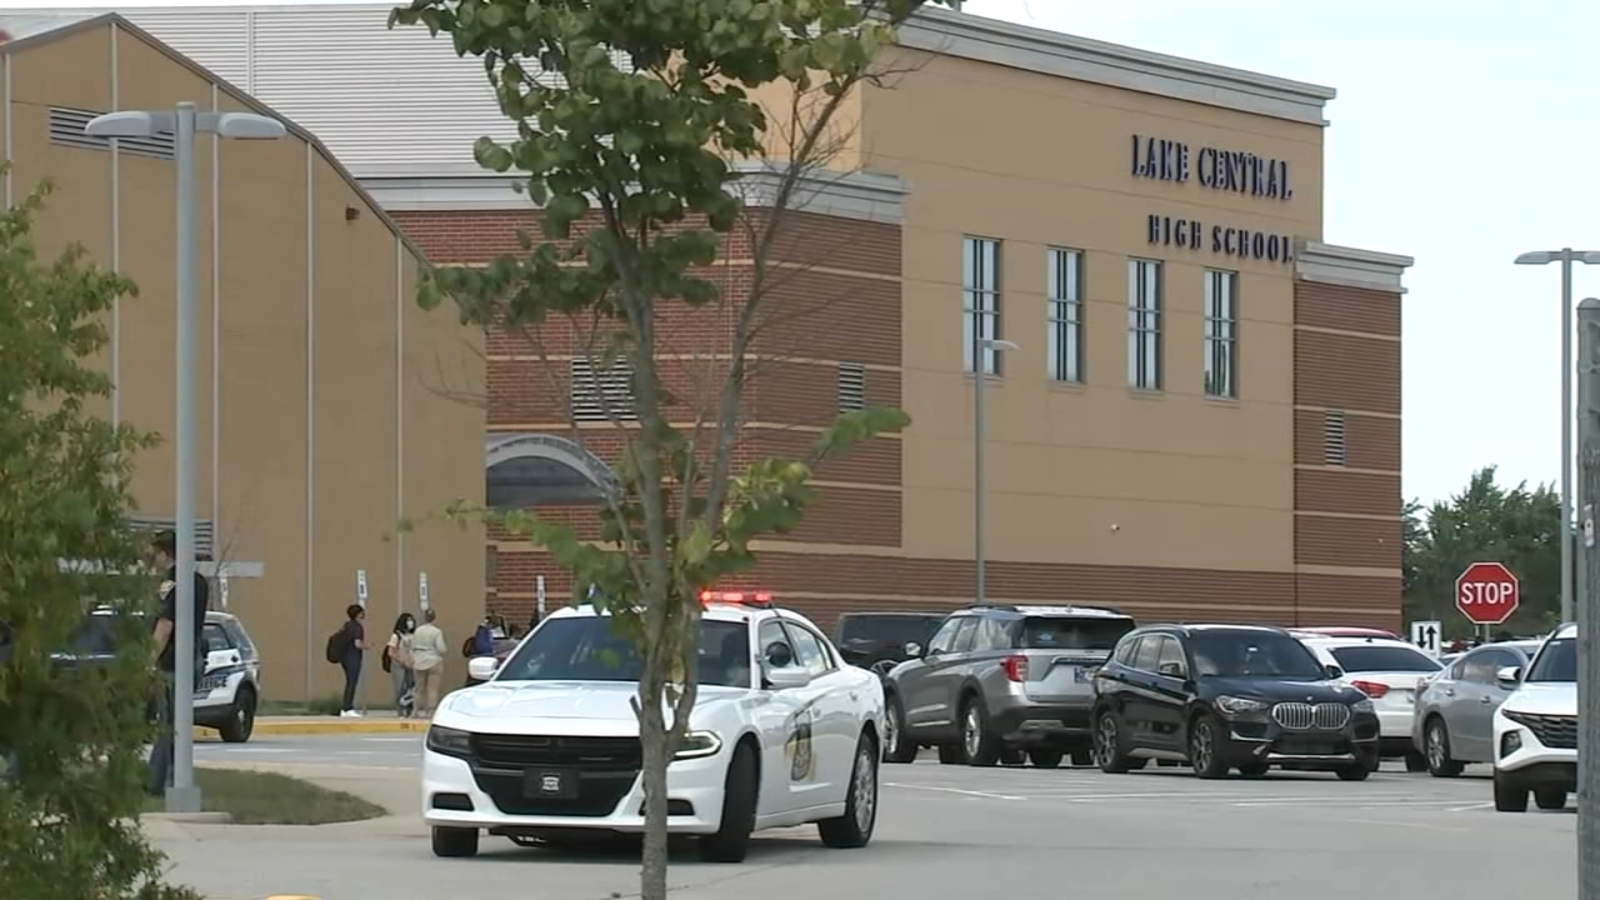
x,y
1587,605
1487,593
1426,635
422,590
361,587
538,589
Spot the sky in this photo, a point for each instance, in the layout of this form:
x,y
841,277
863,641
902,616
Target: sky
x,y
1458,138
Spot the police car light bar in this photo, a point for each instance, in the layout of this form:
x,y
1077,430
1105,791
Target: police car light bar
x,y
740,598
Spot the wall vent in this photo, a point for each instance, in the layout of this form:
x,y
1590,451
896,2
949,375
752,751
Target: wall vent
x,y
601,394
852,387
1333,437
204,531
66,128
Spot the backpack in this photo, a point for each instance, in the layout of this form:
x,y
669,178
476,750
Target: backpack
x,y
469,647
388,664
338,642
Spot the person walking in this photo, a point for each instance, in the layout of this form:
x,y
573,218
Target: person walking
x,y
428,649
397,662
354,641
164,645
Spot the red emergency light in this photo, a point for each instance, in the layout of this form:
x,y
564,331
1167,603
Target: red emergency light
x,y
737,598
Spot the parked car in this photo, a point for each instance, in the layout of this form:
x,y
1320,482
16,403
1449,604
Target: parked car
x,y
1536,728
1222,697
1003,680
1454,720
1346,631
879,641
1387,671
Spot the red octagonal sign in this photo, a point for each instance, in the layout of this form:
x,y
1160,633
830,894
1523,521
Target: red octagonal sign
x,y
1487,593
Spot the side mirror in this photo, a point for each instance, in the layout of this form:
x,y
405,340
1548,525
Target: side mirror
x,y
1170,670
913,650
1332,672
482,668
779,655
1509,676
786,677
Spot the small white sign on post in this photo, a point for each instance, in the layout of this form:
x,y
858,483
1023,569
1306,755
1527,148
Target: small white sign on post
x,y
222,590
538,592
1427,635
1588,524
422,589
361,586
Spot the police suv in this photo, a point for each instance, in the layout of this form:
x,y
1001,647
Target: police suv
x,y
783,733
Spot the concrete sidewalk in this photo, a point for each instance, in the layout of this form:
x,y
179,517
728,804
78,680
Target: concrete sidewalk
x,y
372,723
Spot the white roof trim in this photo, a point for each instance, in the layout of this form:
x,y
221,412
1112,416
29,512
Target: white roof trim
x,y
851,195
1368,269
1066,56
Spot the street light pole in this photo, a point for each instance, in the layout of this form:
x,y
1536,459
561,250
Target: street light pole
x,y
1566,256
183,123
1588,375
979,489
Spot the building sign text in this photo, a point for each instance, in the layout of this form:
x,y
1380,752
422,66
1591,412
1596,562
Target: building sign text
x,y
1243,243
1234,171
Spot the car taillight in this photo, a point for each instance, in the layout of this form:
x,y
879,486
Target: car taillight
x,y
1016,667
1370,688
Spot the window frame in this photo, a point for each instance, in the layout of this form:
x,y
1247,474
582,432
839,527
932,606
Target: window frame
x,y
1064,315
1154,640
981,262
797,634
1145,313
208,628
953,625
1220,320
1172,650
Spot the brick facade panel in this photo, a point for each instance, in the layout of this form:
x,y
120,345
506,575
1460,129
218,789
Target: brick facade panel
x,y
1371,442
1337,541
1350,600
1354,493
824,315
1346,308
872,462
809,239
1346,372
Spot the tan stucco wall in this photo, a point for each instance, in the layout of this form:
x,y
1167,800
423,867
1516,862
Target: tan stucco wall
x,y
1090,474
369,345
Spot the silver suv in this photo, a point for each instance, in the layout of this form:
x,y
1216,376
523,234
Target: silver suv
x,y
998,682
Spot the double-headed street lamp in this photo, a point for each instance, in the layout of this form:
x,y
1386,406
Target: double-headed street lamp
x,y
184,122
979,376
1566,256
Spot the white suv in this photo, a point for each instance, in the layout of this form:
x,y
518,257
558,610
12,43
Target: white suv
x,y
1387,670
1536,728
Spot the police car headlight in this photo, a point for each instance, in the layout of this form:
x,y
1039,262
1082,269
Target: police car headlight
x,y
449,741
699,745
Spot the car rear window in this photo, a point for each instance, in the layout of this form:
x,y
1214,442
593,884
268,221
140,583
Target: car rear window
x,y
1069,633
1376,658
888,629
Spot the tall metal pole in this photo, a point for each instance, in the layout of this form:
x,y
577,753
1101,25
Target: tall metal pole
x,y
1567,454
979,376
1588,612
184,795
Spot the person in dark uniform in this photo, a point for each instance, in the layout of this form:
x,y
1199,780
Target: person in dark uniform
x,y
164,645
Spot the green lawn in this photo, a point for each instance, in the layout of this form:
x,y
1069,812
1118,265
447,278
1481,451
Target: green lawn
x,y
267,798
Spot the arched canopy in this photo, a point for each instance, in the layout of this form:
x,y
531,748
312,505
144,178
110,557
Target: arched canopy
x,y
524,471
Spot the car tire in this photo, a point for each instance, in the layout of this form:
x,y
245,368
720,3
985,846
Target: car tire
x,y
1083,757
1415,762
1436,743
1208,747
952,755
1255,769
881,667
731,842
854,828
980,745
1045,759
453,843
241,721
1550,798
1357,772
1013,756
1110,753
1509,797
897,746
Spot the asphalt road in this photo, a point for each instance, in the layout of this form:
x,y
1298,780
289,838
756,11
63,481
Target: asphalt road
x,y
944,832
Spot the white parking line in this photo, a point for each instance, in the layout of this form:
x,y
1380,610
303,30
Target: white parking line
x,y
944,790
1471,807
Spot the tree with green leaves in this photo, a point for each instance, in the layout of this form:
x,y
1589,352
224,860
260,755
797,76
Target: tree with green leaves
x,y
636,121
71,736
1519,526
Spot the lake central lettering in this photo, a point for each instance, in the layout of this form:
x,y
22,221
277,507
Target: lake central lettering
x,y
1233,171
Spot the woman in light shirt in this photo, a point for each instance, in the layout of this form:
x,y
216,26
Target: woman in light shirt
x,y
428,648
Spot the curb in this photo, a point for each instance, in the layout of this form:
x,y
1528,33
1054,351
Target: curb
x,y
332,726
191,818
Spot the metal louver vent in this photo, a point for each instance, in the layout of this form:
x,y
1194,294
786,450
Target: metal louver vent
x,y
1333,437
66,128
852,387
204,531
601,394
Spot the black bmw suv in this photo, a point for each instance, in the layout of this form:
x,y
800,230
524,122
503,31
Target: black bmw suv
x,y
1222,697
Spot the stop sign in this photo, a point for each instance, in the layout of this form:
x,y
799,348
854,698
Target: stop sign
x,y
1487,593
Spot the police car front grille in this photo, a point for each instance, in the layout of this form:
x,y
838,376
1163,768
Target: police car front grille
x,y
520,751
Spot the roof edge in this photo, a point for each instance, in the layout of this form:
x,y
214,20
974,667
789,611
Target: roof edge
x,y
1350,267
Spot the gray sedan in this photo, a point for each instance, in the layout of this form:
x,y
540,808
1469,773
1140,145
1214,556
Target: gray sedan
x,y
1454,720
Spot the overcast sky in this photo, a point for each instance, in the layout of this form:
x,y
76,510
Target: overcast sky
x,y
1462,137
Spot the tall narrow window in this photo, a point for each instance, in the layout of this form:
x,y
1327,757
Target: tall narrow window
x,y
1144,324
1222,326
980,303
1064,341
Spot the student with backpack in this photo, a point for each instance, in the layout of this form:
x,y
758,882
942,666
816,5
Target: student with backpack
x,y
346,647
397,662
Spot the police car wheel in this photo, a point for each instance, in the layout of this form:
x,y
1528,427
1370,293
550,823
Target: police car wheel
x,y
732,840
241,721
454,842
854,828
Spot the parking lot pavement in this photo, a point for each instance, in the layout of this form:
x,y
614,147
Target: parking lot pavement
x,y
399,751
960,832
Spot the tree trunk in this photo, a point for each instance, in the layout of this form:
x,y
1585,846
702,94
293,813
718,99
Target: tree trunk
x,y
653,741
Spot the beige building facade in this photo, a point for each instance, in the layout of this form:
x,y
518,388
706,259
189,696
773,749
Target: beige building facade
x,y
316,435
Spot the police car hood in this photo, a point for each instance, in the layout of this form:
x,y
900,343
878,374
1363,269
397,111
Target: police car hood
x,y
560,707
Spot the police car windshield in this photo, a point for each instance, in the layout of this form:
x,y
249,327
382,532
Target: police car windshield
x,y
1253,654
589,648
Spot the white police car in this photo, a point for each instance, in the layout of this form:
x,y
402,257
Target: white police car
x,y
782,733
1536,728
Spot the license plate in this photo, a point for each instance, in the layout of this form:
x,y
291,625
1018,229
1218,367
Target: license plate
x,y
549,784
